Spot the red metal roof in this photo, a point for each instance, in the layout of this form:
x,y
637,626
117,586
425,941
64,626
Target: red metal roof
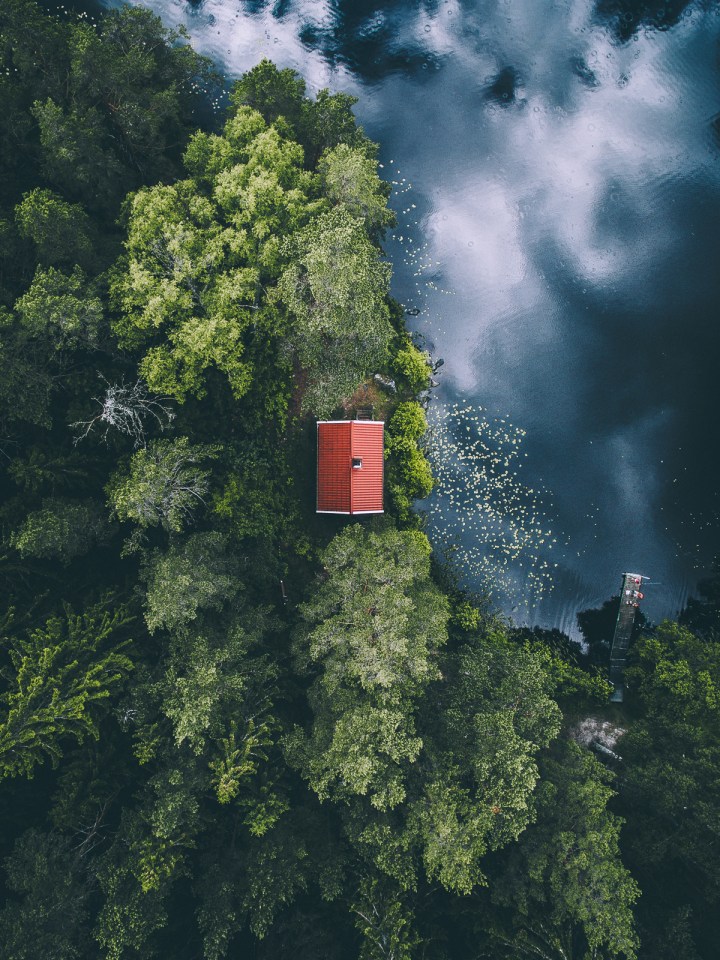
x,y
342,487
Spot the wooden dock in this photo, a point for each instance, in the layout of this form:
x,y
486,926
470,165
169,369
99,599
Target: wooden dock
x,y
630,597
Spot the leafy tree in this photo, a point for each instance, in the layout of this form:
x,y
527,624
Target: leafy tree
x,y
41,470
49,901
111,103
573,676
565,891
200,252
192,575
318,125
413,367
130,913
409,474
329,121
336,287
670,789
385,922
61,309
76,159
373,629
350,180
497,714
58,684
27,379
164,486
62,529
60,230
204,683
271,92
256,500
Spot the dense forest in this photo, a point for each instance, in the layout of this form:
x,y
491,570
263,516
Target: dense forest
x,y
230,727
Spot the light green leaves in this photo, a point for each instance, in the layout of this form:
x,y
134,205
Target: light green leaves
x,y
62,529
374,627
165,484
350,180
60,678
61,309
201,254
197,574
336,287
409,474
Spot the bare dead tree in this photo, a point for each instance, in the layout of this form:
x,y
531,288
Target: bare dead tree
x,y
126,408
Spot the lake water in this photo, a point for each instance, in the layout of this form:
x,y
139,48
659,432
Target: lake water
x,y
556,171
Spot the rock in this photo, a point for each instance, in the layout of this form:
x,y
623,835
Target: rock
x,y
385,382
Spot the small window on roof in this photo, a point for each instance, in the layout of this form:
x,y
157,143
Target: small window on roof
x,y
357,463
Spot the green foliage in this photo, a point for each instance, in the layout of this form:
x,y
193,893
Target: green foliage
x,y
75,158
273,93
192,575
129,915
384,921
62,529
374,626
59,230
336,287
350,180
164,486
200,252
110,103
413,367
319,125
496,717
409,476
48,908
254,501
59,681
40,470
670,789
61,309
564,884
328,121
240,753
206,679
572,674
25,385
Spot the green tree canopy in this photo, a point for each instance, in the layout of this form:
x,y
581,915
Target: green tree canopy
x,y
497,715
62,529
374,626
670,789
60,230
336,287
165,484
566,892
58,684
201,252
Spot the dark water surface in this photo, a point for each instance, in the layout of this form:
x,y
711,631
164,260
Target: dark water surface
x,y
557,182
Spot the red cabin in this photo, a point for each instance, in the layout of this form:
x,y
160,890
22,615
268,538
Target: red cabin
x,y
350,466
